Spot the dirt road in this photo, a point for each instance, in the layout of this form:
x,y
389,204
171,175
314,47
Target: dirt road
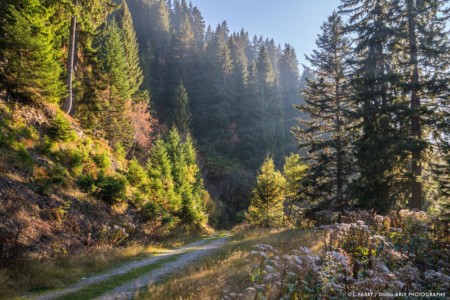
x,y
184,256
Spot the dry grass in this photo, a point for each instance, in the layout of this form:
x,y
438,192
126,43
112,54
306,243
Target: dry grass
x,y
227,269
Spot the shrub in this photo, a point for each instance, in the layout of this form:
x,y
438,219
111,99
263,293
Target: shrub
x,y
136,174
75,158
23,154
88,183
61,129
360,258
111,188
102,160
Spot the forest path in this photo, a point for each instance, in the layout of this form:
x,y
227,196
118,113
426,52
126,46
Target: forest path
x,y
157,266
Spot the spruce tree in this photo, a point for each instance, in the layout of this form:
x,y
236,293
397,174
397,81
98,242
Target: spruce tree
x,y
379,110
266,207
324,132
182,114
33,69
421,28
131,46
294,172
159,168
289,89
117,127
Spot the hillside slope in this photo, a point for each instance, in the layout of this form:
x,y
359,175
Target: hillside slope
x,y
61,190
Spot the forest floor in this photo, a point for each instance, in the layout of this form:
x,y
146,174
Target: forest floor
x,y
122,281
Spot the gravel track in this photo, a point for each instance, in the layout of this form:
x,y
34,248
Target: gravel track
x,y
188,254
127,290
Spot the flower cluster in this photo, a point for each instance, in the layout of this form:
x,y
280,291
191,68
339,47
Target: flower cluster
x,y
112,235
380,254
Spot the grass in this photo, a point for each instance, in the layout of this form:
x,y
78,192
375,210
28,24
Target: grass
x,y
227,268
42,275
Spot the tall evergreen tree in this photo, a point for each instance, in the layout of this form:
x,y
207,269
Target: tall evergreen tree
x,y
131,46
324,133
289,89
379,109
32,69
159,168
182,114
421,27
114,65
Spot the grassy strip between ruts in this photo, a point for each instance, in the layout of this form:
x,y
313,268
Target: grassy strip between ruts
x,y
95,290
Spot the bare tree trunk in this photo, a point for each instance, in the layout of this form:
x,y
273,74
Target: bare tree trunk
x,y
339,173
416,188
68,103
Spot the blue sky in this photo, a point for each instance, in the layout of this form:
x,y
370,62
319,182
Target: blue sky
x,y
296,22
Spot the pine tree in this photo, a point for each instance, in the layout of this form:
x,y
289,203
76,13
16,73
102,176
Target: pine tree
x,y
324,133
182,114
88,81
131,46
379,109
187,178
289,89
294,172
33,69
159,168
421,28
117,127
266,208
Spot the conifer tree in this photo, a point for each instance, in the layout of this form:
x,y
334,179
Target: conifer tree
x,y
421,28
117,127
324,133
182,112
379,109
294,172
33,69
289,89
131,46
266,208
159,168
88,80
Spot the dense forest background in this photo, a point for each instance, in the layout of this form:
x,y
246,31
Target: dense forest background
x,y
242,91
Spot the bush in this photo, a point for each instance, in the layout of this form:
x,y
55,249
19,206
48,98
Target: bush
x,y
111,188
75,158
361,257
23,153
58,175
61,129
88,183
102,160
136,174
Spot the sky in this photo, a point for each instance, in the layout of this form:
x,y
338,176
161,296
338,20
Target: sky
x,y
296,22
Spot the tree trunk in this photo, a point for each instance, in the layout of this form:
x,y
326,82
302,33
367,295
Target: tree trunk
x,y
416,188
339,173
68,103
